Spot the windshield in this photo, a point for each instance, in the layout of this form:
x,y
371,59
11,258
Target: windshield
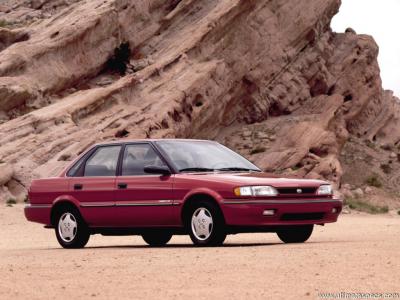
x,y
204,156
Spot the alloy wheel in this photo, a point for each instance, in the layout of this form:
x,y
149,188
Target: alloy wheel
x,y
202,223
67,227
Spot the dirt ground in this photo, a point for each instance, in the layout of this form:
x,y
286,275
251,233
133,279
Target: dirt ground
x,y
360,253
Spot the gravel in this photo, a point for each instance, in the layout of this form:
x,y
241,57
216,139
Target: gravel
x,y
360,253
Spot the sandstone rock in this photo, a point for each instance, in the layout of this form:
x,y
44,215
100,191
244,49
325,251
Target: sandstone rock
x,y
368,190
3,117
38,4
140,64
5,194
346,210
6,173
350,30
4,8
262,135
347,193
216,70
246,133
8,37
347,186
358,192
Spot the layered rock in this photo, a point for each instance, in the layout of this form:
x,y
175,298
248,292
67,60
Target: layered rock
x,y
271,71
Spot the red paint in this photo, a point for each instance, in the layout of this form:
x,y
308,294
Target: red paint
x,y
148,190
158,200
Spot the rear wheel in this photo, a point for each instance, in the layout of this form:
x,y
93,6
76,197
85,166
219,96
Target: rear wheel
x,y
157,239
205,224
295,233
71,229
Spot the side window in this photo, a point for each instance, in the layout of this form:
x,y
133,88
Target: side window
x,y
136,157
74,171
181,159
103,162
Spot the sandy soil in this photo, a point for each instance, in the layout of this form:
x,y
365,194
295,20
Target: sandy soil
x,y
360,253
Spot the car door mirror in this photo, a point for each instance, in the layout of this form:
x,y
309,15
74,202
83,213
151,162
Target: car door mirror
x,y
157,170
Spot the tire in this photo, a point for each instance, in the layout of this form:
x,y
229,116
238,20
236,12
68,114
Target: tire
x,y
295,233
71,230
205,224
157,239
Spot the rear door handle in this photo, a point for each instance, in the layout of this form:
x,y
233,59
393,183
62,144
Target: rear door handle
x,y
122,185
78,186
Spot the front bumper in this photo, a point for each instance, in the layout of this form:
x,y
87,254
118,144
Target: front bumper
x,y
250,212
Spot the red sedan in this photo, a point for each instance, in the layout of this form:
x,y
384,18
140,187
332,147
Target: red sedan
x,y
158,188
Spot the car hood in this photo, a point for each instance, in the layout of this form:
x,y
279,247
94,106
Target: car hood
x,y
254,178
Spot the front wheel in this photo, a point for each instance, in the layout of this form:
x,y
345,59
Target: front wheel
x,y
71,229
157,239
295,233
205,224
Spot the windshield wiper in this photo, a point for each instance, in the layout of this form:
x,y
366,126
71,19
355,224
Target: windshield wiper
x,y
196,169
199,169
237,169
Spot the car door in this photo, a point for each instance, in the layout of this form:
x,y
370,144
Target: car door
x,y
143,200
94,185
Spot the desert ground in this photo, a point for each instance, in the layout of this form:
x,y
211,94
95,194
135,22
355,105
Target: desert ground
x,y
360,253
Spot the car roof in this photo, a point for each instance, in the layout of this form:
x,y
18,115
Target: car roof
x,y
127,141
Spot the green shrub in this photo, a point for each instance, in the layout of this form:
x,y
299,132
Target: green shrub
x,y
4,23
359,205
11,201
374,180
370,144
258,150
297,167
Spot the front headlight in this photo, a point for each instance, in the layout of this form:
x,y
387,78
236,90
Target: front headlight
x,y
255,191
325,189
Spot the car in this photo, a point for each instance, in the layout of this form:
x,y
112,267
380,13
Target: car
x,y
158,188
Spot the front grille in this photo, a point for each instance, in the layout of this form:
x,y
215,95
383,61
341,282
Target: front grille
x,y
293,190
302,216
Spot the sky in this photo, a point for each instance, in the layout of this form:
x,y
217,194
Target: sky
x,y
381,19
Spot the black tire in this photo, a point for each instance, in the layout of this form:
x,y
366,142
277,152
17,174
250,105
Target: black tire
x,y
80,234
218,230
157,238
295,233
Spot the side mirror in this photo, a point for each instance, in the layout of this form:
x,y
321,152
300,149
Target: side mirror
x,y
157,170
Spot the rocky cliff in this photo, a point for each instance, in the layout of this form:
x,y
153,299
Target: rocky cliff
x,y
268,78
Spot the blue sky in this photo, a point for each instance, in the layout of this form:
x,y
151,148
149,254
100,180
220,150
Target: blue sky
x,y
381,19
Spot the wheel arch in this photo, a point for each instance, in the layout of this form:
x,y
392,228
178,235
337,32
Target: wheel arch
x,y
60,203
194,197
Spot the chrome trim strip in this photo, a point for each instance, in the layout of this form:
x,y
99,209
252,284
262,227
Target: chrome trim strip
x,y
143,204
29,205
239,201
96,204
95,189
130,203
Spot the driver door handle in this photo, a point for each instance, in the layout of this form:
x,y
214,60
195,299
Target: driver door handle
x,y
122,185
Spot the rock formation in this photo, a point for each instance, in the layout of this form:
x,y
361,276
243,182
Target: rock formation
x,y
267,78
